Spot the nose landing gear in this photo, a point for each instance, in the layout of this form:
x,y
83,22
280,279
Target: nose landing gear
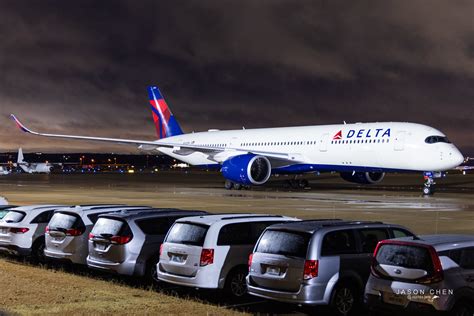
x,y
429,183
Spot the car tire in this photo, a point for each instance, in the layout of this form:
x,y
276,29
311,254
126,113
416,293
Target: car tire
x,y
344,300
235,283
151,272
37,251
463,308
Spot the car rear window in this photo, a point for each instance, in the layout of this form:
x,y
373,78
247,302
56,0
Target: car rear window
x,y
64,220
109,226
188,234
294,244
14,217
412,257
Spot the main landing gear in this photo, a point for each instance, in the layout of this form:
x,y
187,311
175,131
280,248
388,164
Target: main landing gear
x,y
229,185
296,184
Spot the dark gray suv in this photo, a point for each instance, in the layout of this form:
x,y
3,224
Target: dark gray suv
x,y
317,262
128,242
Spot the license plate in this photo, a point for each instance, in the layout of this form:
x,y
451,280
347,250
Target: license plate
x,y
178,259
100,246
395,299
273,270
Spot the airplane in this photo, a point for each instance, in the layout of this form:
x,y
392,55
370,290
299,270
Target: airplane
x,y
361,153
43,167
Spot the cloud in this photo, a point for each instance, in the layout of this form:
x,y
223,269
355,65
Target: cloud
x,y
82,67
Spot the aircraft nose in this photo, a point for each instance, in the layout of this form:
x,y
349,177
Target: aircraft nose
x,y
457,157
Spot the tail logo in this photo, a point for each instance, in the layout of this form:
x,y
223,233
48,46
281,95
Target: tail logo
x,y
165,122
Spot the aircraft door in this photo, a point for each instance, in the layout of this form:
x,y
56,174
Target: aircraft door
x,y
323,143
399,143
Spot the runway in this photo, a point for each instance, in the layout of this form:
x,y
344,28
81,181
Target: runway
x,y
396,200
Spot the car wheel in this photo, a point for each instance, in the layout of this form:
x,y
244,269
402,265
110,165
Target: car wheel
x,y
344,299
37,253
463,308
236,284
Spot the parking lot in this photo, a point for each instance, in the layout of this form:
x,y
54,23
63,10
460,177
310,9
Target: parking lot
x,y
57,290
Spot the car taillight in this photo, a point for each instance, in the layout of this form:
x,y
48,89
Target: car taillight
x,y
120,240
46,229
373,266
437,275
161,249
310,269
250,260
91,235
74,232
207,257
16,230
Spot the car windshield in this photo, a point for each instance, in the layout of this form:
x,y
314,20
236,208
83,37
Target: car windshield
x,y
107,226
412,257
293,244
188,234
63,220
13,217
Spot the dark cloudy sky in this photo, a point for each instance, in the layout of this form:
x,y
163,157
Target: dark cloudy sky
x,y
83,66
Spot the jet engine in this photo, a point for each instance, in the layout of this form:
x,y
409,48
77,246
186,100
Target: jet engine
x,y
363,177
247,169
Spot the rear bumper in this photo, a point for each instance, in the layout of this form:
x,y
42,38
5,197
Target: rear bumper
x,y
124,268
307,294
203,279
375,303
62,256
15,250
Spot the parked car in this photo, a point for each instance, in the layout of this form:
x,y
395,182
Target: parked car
x,y
317,262
22,230
427,274
4,209
128,242
212,251
68,230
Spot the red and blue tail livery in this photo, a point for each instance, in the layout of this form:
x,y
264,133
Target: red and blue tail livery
x,y
165,123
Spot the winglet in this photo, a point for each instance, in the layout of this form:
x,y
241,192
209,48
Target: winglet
x,y
20,125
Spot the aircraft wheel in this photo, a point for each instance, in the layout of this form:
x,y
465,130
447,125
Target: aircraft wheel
x,y
228,185
303,183
237,186
427,191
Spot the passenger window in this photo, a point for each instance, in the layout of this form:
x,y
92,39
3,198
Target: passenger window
x,y
155,226
339,242
370,238
466,261
43,217
234,234
397,233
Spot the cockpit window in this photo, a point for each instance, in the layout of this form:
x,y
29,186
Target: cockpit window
x,y
437,139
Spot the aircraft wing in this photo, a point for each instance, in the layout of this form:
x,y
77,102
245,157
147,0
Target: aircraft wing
x,y
184,149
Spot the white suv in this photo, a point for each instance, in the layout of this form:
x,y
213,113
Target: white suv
x,y
212,251
22,230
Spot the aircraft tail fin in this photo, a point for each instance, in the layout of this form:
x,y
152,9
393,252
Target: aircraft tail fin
x,y
20,159
165,123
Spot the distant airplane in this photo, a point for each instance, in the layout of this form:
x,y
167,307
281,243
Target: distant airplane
x,y
361,152
4,171
43,167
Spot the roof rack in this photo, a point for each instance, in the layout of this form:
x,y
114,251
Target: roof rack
x,y
249,216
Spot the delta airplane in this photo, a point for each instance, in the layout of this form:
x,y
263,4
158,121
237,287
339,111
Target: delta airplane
x,y
361,153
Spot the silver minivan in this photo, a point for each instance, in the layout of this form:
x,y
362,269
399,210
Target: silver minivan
x,y
212,251
68,230
128,242
22,230
317,262
431,274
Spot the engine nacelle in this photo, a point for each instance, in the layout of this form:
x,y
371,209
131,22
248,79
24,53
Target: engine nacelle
x,y
363,177
247,169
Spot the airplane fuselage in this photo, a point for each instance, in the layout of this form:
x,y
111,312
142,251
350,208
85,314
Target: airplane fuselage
x,y
372,147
